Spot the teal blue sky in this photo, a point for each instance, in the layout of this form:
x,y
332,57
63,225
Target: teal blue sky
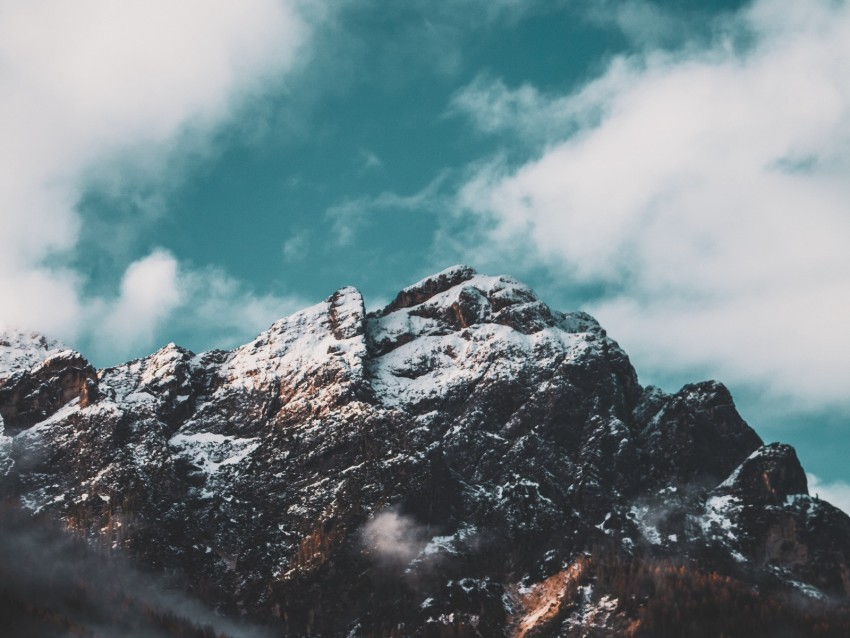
x,y
676,168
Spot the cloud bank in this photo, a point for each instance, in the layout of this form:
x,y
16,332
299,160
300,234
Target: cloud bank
x,y
703,189
87,85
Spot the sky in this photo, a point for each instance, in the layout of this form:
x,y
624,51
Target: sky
x,y
191,171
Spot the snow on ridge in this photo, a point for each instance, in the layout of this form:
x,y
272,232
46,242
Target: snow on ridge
x,y
6,461
21,351
135,382
733,477
647,519
429,366
210,452
426,354
499,290
444,288
296,345
163,363
429,361
719,517
349,312
495,287
448,544
446,273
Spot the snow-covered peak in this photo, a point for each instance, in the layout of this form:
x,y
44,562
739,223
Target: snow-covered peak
x,y
455,327
296,346
347,313
454,274
429,286
458,298
500,290
21,351
469,296
163,364
343,308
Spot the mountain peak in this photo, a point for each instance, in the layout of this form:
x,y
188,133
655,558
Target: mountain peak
x,y
430,286
20,351
770,474
347,313
38,376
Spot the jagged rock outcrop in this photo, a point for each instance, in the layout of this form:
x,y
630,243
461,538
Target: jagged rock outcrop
x,y
37,377
420,469
769,475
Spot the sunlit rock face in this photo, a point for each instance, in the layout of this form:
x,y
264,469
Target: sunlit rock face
x,y
37,377
461,461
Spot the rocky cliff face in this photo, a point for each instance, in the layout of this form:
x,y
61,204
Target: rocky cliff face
x,y
454,464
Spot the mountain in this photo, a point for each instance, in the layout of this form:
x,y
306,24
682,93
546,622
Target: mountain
x,y
464,462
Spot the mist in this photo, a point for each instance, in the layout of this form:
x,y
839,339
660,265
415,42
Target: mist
x,y
394,537
53,584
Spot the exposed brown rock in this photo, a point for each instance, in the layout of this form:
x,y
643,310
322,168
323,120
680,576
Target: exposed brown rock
x,y
34,395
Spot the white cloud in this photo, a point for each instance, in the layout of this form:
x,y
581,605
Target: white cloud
x,y
393,536
85,85
709,187
149,294
158,289
837,493
523,110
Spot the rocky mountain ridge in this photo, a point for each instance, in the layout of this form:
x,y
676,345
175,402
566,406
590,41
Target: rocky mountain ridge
x,y
453,464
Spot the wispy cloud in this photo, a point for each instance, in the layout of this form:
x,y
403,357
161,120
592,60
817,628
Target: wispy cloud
x,y
707,186
94,90
349,216
494,108
296,247
369,161
649,23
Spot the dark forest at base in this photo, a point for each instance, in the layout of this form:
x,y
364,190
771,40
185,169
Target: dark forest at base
x,y
53,584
